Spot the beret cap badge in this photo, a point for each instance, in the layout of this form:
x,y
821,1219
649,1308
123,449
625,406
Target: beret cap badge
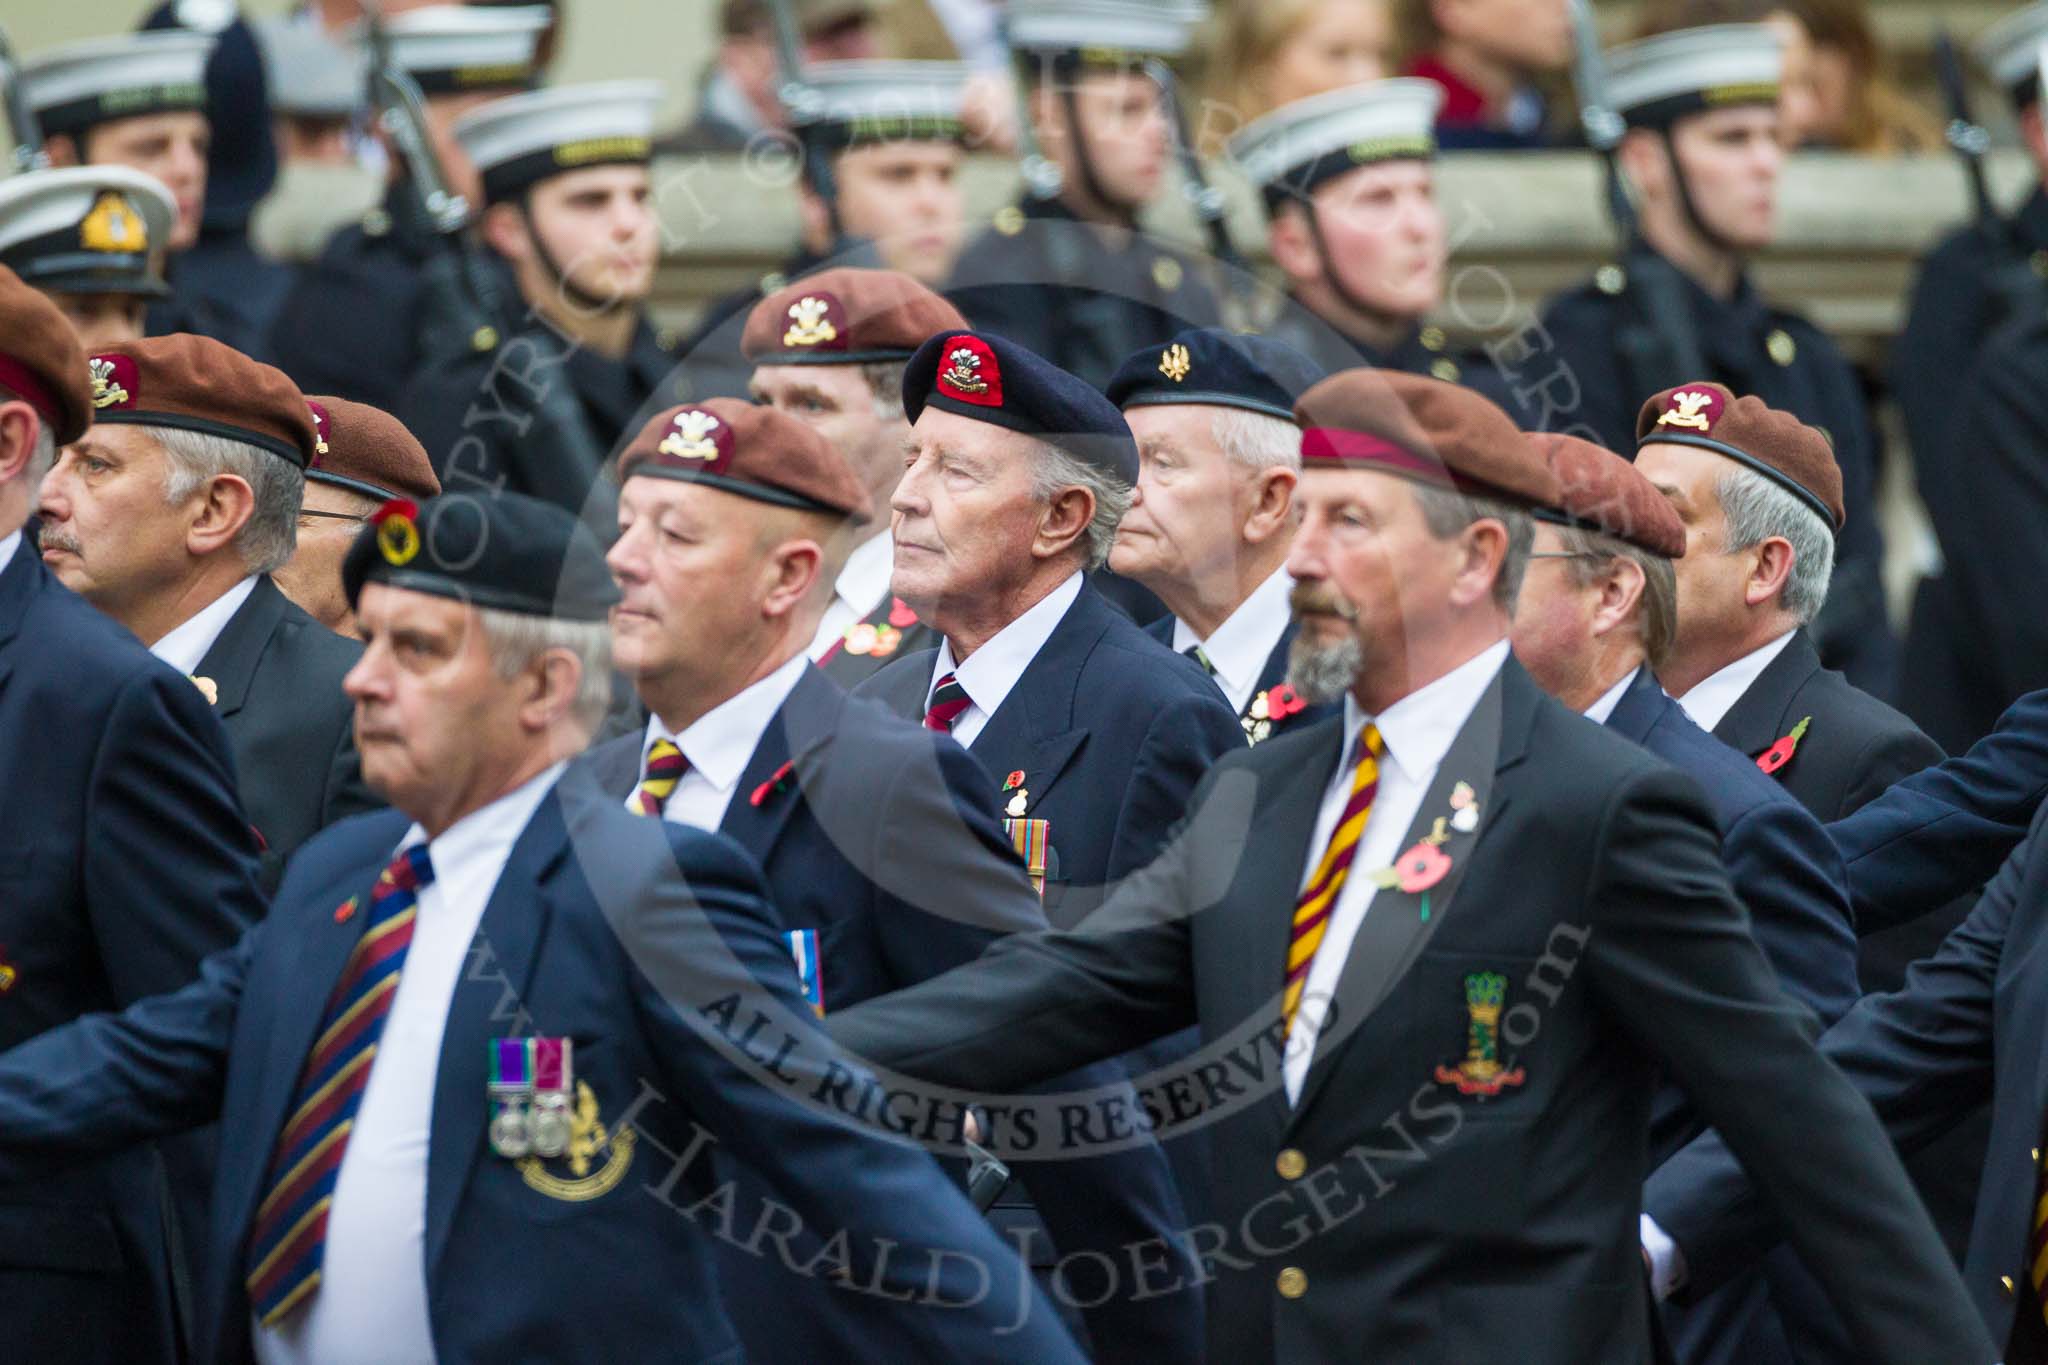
x,y
106,383
1175,364
963,372
692,438
114,225
1693,409
398,532
810,322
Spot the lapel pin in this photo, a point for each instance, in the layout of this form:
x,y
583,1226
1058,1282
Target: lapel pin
x,y
775,783
1018,804
346,911
208,688
1780,753
900,614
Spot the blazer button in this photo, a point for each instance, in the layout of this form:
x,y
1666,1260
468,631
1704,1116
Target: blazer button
x,y
1291,1164
2005,1281
1292,1283
2036,1155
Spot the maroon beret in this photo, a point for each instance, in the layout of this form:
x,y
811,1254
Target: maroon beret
x,y
1777,445
367,450
1597,490
197,384
756,452
1423,429
846,317
41,362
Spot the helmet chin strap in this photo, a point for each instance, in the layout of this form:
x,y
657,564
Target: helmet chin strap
x,y
1091,183
582,298
1332,280
1686,203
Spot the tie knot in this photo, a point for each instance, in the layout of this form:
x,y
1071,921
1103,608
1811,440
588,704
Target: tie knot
x,y
949,702
1201,658
664,759
1370,745
409,871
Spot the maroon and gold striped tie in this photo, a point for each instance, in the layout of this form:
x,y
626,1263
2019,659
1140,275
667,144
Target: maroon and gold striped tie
x,y
1319,897
663,768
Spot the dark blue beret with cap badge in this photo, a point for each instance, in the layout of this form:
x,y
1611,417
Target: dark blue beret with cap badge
x,y
1221,369
992,379
505,551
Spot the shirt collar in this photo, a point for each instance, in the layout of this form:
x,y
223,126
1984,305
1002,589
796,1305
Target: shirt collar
x,y
718,743
9,543
1418,730
865,580
495,825
991,671
1713,697
1601,710
1238,649
187,643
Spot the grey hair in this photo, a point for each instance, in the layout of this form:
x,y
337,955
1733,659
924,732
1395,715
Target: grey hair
x,y
1757,509
885,384
516,639
1656,610
42,457
1447,512
1055,470
271,534
1256,441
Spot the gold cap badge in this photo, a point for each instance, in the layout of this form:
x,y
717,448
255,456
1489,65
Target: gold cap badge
x,y
1176,363
810,324
691,439
113,225
106,390
1688,409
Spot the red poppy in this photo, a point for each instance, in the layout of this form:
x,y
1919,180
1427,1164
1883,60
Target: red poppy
x,y
345,911
1283,701
397,507
1780,753
900,614
1421,867
1014,780
774,784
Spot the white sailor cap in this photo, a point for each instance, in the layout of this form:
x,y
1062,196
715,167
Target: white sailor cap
x,y
1113,33
86,229
2011,51
1298,146
1659,80
521,139
448,49
79,85
308,74
844,104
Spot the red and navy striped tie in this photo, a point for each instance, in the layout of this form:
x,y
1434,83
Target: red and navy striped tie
x,y
290,1234
949,702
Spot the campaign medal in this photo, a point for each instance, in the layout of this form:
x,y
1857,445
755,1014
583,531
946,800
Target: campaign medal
x,y
511,1087
803,947
553,1079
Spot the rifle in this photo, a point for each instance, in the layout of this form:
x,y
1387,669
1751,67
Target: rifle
x,y
799,100
29,154
1212,209
1658,345
2012,288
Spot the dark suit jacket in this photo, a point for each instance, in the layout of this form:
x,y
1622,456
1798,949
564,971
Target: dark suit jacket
x,y
1111,731
850,670
1271,674
589,934
292,728
884,838
1970,1025
1420,1224
124,863
1942,832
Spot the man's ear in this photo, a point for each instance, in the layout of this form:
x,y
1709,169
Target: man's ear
x,y
1770,568
1272,507
503,228
1621,590
226,503
1646,160
19,427
1064,521
1293,243
63,150
793,567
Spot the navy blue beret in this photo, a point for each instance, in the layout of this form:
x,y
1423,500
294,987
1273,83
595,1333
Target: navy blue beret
x,y
500,550
992,379
1212,366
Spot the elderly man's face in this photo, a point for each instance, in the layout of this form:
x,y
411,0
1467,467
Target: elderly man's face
x,y
329,519
1712,583
1186,522
107,532
1553,625
434,722
963,516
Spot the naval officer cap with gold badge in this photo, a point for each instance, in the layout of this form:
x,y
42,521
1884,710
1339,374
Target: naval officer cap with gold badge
x,y
521,140
87,231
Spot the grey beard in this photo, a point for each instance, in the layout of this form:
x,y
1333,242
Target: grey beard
x,y
1323,673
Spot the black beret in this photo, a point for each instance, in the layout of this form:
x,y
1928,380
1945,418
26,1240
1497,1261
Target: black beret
x,y
1224,369
500,550
992,379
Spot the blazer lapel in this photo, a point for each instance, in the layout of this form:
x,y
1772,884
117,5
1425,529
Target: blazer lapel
x,y
780,763
231,662
1759,717
1395,932
19,579
488,1003
1035,723
1639,709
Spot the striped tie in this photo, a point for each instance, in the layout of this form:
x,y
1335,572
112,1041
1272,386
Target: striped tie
x,y
1201,657
290,1234
664,768
1312,911
2037,1246
949,702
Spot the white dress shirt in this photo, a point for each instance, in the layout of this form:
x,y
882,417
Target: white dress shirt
x,y
9,543
1241,645
991,671
718,744
1600,710
861,587
371,1306
1417,731
188,641
1715,695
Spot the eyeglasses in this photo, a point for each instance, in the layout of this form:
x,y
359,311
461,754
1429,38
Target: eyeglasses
x,y
357,517
1566,554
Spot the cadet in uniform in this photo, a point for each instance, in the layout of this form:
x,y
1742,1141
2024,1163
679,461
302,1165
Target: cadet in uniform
x,y
93,239
1703,152
1212,517
170,516
830,351
1353,222
423,1172
351,323
890,135
362,459
126,863
568,208
1072,277
1460,1041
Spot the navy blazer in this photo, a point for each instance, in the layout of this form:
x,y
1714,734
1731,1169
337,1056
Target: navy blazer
x,y
1970,1025
1111,729
884,838
1942,832
1271,674
125,862
673,989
